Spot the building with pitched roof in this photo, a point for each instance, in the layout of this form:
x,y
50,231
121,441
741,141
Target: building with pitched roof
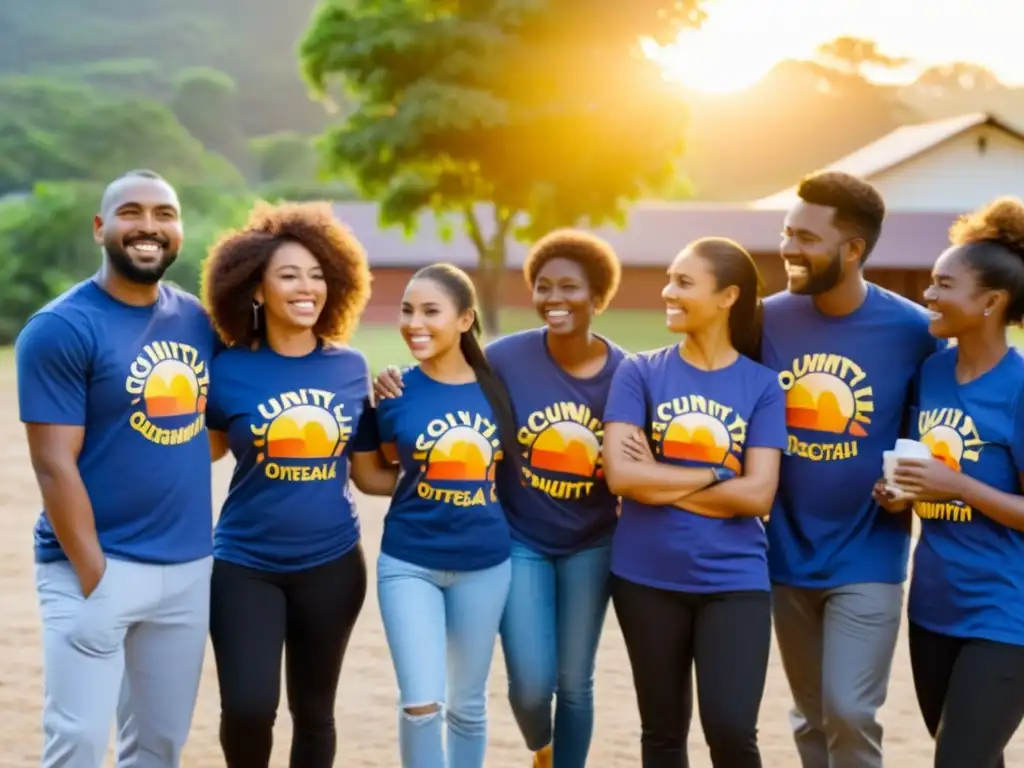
x,y
929,174
953,164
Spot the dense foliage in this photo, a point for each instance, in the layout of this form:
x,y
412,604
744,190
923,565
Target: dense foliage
x,y
532,108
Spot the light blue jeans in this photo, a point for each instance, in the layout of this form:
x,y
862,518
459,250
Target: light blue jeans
x,y
549,634
441,628
132,649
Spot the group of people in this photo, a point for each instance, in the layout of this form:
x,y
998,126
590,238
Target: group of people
x,y
708,490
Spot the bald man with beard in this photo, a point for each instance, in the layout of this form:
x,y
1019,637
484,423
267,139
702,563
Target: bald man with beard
x,y
112,383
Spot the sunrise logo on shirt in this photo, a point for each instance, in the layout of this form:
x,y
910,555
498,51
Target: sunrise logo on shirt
x,y
952,436
459,452
562,450
698,429
829,394
168,380
302,435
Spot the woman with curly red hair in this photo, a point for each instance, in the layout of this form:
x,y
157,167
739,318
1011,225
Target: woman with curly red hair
x,y
287,398
966,604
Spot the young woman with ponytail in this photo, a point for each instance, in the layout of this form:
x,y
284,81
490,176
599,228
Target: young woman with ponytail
x,y
444,570
558,506
692,442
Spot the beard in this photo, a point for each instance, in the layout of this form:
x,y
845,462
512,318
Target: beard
x,y
129,270
826,280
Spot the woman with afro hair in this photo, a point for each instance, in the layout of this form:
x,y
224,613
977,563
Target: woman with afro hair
x,y
966,604
287,398
560,510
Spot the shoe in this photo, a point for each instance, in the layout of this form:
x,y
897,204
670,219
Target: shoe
x,y
544,758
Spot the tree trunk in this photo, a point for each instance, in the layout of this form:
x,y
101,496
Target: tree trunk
x,y
490,268
492,265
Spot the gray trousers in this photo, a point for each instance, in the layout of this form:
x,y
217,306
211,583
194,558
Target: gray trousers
x,y
132,650
837,647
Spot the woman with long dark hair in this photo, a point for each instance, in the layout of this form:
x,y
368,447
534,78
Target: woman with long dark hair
x,y
966,605
443,573
558,505
693,438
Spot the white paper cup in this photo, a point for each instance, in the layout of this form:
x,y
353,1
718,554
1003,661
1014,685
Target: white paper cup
x,y
904,449
911,449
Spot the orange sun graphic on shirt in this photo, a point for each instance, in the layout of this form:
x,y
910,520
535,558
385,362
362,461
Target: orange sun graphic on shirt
x,y
303,432
566,447
946,445
171,389
699,437
461,453
824,403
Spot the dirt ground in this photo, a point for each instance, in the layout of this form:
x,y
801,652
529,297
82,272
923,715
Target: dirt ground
x,y
366,712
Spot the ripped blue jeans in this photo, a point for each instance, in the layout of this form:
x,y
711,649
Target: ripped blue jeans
x,y
441,628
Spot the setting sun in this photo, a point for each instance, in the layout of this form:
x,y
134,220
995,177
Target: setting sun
x,y
702,63
742,40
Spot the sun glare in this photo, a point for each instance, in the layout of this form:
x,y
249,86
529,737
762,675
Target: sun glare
x,y
714,63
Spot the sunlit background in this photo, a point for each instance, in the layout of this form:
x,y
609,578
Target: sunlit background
x,y
743,39
925,98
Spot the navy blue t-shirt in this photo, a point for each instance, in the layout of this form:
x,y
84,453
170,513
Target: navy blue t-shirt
x,y
445,513
849,389
696,418
968,578
137,378
290,422
562,504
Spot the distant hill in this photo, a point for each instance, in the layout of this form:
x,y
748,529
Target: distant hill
x,y
741,146
800,117
141,44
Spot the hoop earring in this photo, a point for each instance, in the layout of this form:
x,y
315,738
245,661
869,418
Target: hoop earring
x,y
256,306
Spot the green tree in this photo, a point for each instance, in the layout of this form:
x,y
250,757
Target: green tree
x,y
43,254
544,112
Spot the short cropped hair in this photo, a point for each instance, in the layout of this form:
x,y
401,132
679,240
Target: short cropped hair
x,y
859,207
595,257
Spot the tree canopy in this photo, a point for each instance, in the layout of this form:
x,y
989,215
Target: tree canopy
x,y
546,112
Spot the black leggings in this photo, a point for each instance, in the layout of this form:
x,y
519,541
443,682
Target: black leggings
x,y
727,637
254,616
971,695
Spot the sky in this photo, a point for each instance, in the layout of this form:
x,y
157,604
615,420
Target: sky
x,y
742,39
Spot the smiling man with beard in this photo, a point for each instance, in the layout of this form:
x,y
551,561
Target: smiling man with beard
x,y
847,352
112,384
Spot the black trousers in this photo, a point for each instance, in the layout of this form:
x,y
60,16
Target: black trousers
x,y
971,695
254,617
727,637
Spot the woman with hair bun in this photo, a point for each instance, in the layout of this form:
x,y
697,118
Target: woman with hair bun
x,y
287,398
966,605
